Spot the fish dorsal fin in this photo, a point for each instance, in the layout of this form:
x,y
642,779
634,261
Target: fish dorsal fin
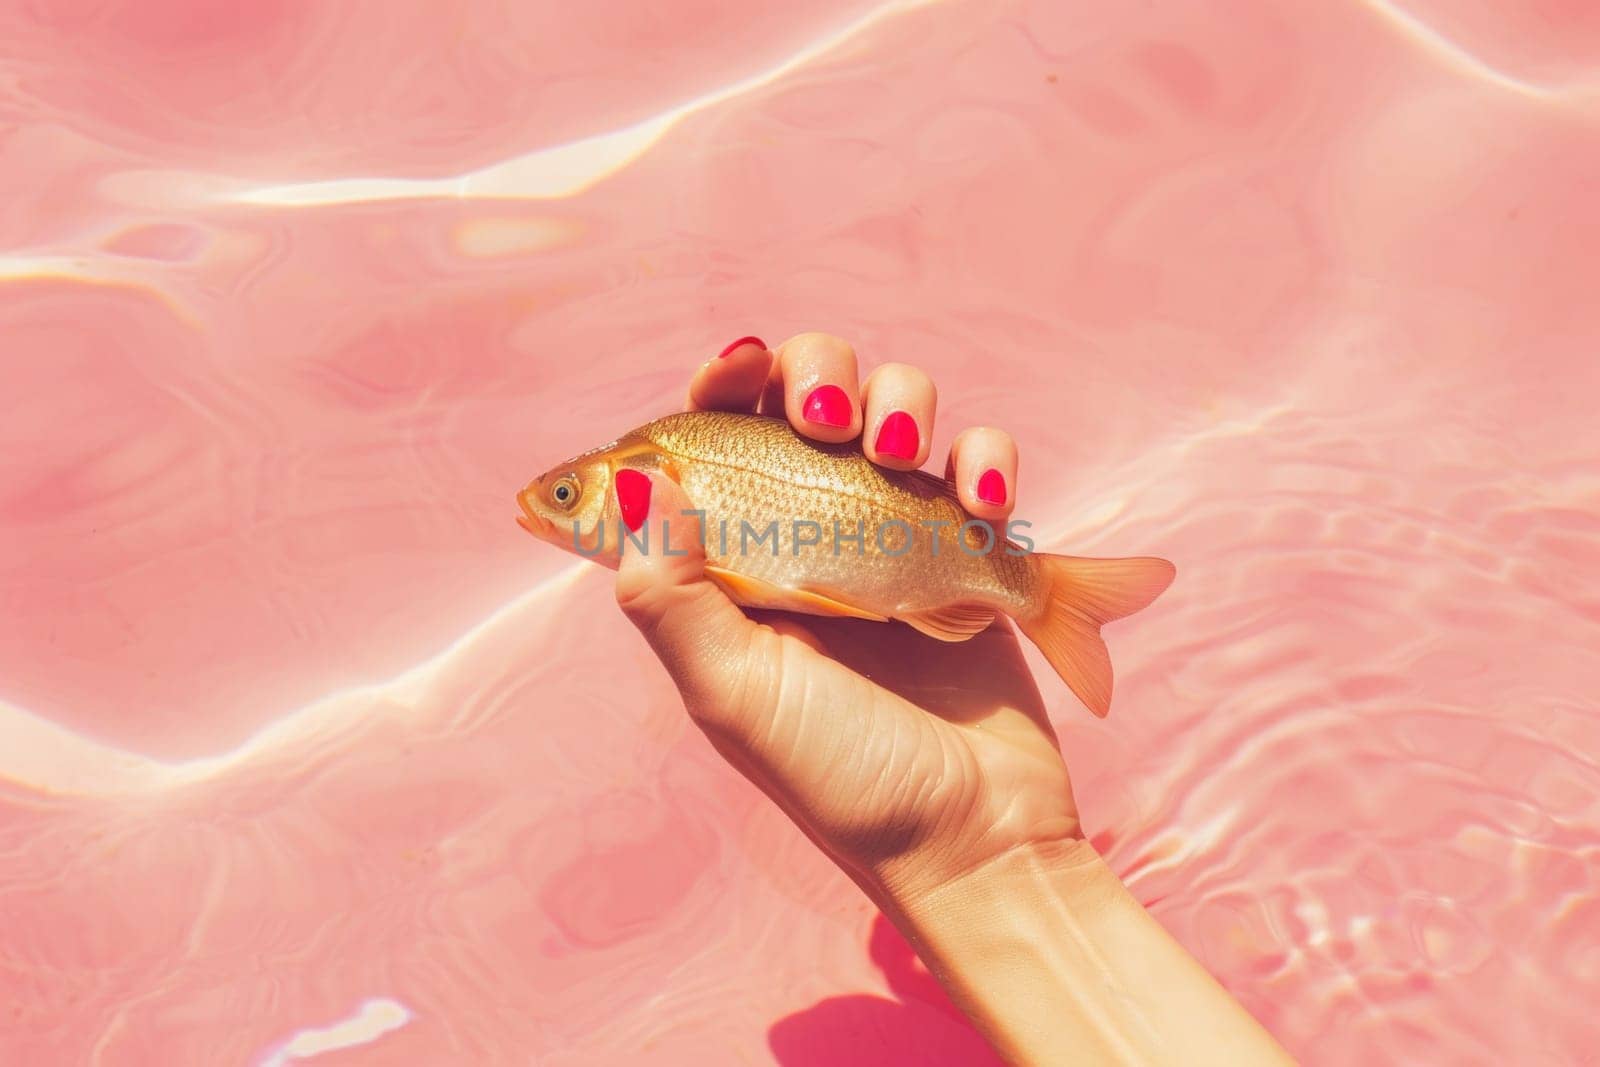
x,y
758,593
951,622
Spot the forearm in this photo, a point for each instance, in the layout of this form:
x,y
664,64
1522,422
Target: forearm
x,y
1056,962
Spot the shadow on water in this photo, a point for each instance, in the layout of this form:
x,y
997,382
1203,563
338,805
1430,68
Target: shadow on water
x,y
919,1027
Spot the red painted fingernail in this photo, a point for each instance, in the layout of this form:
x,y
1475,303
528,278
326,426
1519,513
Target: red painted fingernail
x,y
633,497
992,487
898,436
827,406
726,352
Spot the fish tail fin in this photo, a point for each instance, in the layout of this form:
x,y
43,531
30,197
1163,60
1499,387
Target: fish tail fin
x,y
1080,595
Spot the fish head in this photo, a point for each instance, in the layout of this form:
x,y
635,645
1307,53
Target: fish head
x,y
572,505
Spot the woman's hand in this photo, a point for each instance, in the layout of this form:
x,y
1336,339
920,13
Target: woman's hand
x,y
928,771
909,760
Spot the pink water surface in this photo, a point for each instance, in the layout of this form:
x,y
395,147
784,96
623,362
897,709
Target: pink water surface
x,y
307,751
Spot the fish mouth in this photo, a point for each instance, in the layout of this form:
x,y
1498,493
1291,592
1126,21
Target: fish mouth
x,y
532,521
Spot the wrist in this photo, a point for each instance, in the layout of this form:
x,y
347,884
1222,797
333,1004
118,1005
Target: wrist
x,y
1054,960
931,878
1005,901
1006,938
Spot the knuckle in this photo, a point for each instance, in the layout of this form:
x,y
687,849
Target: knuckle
x,y
638,596
908,374
815,339
988,438
819,352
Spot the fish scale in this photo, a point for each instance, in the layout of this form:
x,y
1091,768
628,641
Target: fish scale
x,y
747,469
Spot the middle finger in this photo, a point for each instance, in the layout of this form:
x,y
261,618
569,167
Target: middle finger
x,y
899,400
819,385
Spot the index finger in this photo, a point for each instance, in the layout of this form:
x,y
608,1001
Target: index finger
x,y
733,379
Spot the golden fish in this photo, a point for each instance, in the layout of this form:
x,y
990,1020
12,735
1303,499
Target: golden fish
x,y
802,526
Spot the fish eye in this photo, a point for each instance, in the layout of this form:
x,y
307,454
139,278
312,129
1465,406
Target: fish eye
x,y
565,492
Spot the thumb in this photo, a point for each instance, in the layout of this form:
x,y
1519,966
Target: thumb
x,y
699,635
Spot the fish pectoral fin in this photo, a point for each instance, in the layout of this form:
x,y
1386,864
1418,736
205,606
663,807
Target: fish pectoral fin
x,y
757,593
951,622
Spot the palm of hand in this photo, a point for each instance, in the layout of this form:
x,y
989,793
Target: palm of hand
x,y
886,744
